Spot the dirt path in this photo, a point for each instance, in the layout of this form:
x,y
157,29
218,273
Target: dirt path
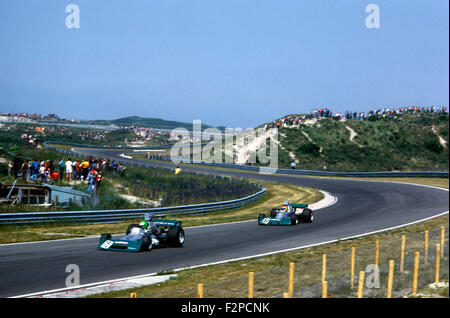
x,y
441,140
311,141
353,134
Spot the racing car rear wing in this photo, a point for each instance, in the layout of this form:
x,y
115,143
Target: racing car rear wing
x,y
163,222
299,205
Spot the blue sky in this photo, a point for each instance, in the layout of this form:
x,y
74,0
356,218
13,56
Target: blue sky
x,y
236,63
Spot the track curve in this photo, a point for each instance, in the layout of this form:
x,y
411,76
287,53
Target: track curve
x,y
363,207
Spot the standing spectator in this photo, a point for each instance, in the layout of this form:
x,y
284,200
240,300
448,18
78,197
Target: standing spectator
x,y
92,177
75,167
69,169
17,164
51,166
55,175
42,174
61,169
84,169
293,165
25,170
98,180
34,170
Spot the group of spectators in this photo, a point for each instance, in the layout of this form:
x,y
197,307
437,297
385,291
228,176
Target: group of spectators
x,y
49,171
379,114
30,139
392,114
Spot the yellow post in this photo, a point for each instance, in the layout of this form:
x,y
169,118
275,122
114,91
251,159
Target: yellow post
x,y
438,259
425,256
250,284
133,295
361,284
324,289
377,252
442,240
416,272
200,291
291,279
390,278
402,256
285,295
352,269
324,266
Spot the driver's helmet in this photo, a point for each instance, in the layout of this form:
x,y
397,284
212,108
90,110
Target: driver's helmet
x,y
284,208
144,225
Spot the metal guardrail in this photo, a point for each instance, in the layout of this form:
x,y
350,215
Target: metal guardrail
x,y
48,144
118,215
361,174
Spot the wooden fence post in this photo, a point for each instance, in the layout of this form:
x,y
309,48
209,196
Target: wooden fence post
x,y
390,278
324,289
438,263
361,283
250,284
352,269
402,256
416,272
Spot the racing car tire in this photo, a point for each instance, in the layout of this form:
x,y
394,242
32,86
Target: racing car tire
x,y
105,236
308,216
175,236
261,216
294,219
147,243
130,227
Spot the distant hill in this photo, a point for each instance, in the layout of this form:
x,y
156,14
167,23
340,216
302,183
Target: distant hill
x,y
148,122
419,142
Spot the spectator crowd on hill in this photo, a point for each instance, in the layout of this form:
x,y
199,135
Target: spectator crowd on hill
x,y
379,114
48,171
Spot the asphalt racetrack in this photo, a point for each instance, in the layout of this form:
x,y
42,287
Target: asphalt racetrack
x,y
362,207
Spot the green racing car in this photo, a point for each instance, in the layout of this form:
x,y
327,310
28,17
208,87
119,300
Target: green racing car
x,y
289,214
144,236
